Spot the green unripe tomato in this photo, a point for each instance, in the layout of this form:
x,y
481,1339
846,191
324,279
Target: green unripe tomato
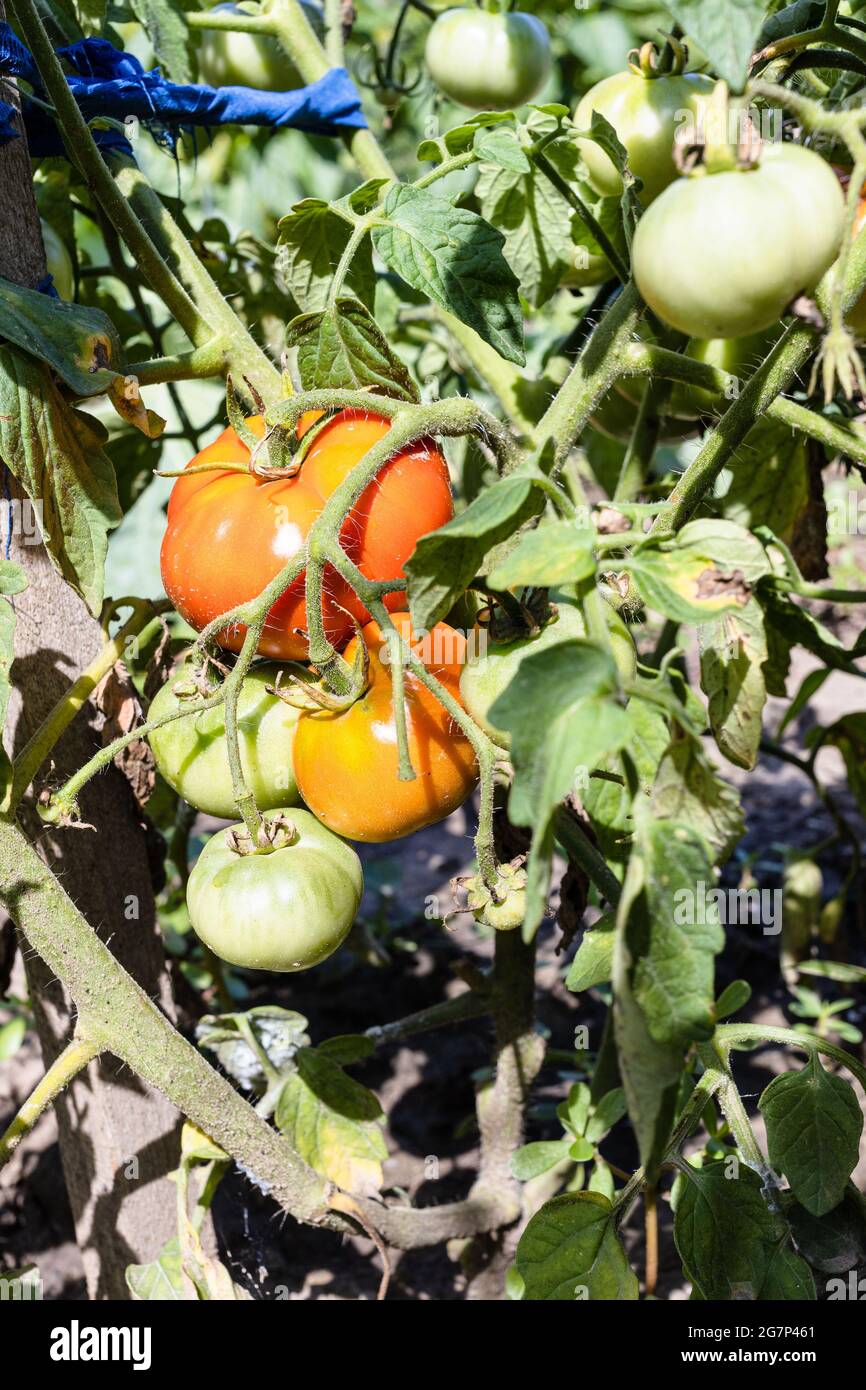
x,y
489,62
191,752
286,909
645,112
230,59
58,261
722,255
485,675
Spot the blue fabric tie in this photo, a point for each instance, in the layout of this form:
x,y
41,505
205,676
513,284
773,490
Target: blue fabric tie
x,y
107,82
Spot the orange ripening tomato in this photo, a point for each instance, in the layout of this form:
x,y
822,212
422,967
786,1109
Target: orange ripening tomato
x,y
230,533
346,760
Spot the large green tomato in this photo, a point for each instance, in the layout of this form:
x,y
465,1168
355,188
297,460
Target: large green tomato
x,y
59,261
486,674
490,62
230,59
722,255
191,752
285,909
739,357
645,112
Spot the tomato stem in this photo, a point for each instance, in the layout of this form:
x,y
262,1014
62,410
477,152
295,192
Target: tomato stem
x,y
77,1055
396,648
42,740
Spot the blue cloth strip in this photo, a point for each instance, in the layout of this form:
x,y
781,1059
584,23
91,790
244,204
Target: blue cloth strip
x,y
107,82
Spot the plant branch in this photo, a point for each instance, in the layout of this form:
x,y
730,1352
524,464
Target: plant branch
x,y
73,1059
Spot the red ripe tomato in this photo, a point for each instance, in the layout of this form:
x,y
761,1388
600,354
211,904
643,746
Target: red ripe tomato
x,y
229,533
346,761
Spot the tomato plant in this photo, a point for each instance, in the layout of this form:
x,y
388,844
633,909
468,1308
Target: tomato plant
x,y
515,535
286,909
488,61
346,761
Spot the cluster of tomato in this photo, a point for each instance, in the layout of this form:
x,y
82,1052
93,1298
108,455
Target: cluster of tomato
x,y
230,532
718,255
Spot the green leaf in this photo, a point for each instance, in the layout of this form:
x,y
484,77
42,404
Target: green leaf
x,y
456,258
162,1279
446,561
601,1180
836,1241
735,997
11,1037
834,970
535,219
573,1113
798,18
728,1239
608,804
333,1122
710,568
848,734
56,455
341,347
556,552
500,146
575,726
662,973
570,1250
606,1114
81,345
814,1125
347,1048
787,1277
689,789
670,949
312,239
726,31
167,30
768,481
787,625
650,1072
593,961
733,651
532,1160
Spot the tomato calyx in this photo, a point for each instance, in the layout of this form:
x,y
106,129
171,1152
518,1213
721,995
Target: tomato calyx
x,y
652,62
275,832
304,693
508,617
502,904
